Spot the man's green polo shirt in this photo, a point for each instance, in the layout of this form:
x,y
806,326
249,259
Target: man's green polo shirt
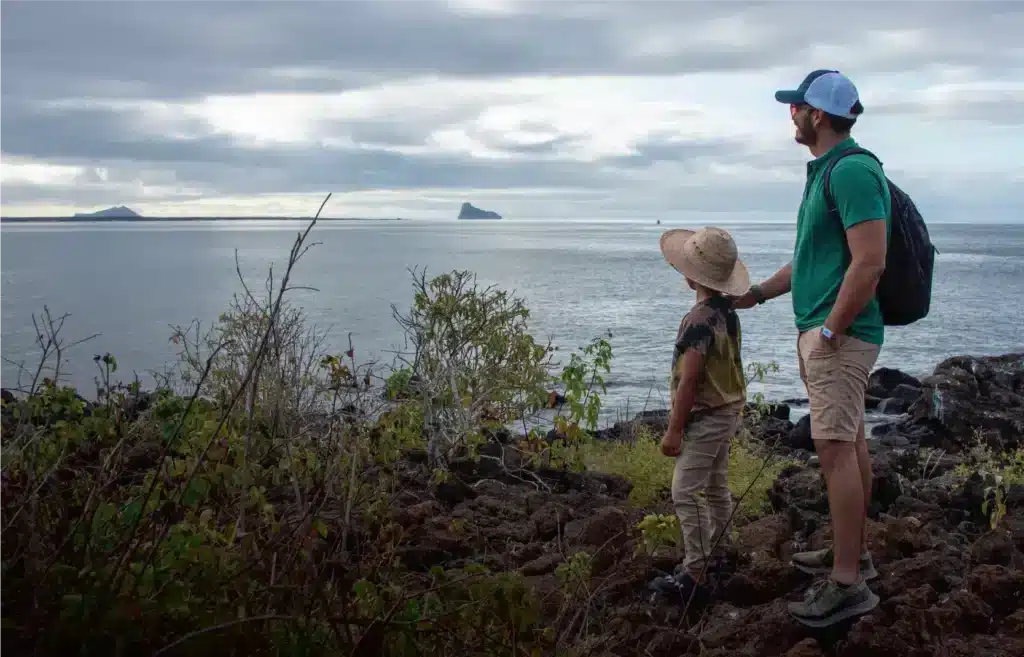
x,y
820,255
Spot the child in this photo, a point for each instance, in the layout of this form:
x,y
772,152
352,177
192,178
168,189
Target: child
x,y
708,394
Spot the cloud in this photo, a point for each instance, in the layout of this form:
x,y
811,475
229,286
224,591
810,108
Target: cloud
x,y
548,109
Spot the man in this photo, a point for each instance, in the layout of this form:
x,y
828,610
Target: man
x,y
837,262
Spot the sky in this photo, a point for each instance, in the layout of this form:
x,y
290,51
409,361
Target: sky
x,y
537,110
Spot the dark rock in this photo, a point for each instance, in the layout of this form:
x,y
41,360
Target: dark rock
x,y
799,488
800,436
968,394
909,394
1014,498
764,581
770,430
887,379
469,211
893,406
656,421
779,411
542,565
893,440
887,485
454,492
418,513
606,525
996,548
871,402
549,520
883,429
999,586
766,535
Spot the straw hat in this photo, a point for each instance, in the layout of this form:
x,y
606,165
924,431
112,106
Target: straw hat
x,y
707,256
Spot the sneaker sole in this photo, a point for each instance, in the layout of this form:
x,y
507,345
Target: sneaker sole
x,y
849,612
811,570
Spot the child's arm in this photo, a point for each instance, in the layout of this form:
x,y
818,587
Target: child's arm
x,y
682,403
693,367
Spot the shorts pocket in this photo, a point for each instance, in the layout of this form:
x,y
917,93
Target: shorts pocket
x,y
815,348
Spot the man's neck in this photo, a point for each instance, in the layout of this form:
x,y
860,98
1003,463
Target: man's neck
x,y
826,142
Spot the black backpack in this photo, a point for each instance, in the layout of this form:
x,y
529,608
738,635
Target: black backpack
x,y
904,291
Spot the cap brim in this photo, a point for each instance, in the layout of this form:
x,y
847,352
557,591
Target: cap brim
x,y
789,96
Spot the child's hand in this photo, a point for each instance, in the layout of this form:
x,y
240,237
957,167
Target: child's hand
x,y
670,444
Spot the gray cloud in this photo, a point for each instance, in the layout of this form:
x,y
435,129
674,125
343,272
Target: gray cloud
x,y
187,49
178,51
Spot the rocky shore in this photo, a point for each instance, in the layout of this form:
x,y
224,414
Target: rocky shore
x,y
947,534
951,580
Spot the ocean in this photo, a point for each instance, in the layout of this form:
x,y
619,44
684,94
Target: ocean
x,y
130,282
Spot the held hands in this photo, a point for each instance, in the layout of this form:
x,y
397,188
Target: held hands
x,y
671,443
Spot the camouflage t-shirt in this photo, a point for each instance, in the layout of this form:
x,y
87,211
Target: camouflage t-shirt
x,y
712,327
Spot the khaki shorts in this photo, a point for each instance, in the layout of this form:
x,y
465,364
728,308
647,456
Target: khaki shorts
x,y
836,377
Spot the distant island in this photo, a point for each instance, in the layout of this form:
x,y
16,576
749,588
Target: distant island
x,y
469,211
117,212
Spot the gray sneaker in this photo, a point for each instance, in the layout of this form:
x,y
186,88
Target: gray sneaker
x,y
828,603
819,562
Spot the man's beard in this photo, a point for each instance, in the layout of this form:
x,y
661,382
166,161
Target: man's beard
x,y
806,134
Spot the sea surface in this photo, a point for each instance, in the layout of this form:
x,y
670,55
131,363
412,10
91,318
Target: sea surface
x,y
130,282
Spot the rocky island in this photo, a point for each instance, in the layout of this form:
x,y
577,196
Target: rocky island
x,y
116,212
469,211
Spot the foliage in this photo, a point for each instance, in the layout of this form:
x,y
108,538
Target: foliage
x,y
998,472
658,530
474,360
399,385
756,371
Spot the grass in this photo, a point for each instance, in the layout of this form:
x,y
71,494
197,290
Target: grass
x,y
643,464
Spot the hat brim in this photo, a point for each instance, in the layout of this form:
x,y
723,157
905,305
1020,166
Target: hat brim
x,y
672,243
790,96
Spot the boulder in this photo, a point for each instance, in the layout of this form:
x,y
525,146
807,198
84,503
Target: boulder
x,y
886,379
966,395
800,436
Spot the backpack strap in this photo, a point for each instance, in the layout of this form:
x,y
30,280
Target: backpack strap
x,y
829,200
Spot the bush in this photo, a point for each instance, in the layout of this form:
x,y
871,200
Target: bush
x,y
474,361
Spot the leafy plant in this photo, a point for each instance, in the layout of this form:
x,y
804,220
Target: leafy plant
x,y
658,530
474,360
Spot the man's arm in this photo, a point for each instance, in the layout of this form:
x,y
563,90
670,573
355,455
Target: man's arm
x,y
867,241
781,282
860,196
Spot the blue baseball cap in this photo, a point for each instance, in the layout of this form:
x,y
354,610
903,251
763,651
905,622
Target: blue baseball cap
x,y
827,90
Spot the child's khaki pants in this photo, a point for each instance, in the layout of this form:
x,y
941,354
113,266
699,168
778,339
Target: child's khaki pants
x,y
700,491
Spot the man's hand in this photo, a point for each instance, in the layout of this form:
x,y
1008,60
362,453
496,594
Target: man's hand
x,y
671,443
744,301
781,282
